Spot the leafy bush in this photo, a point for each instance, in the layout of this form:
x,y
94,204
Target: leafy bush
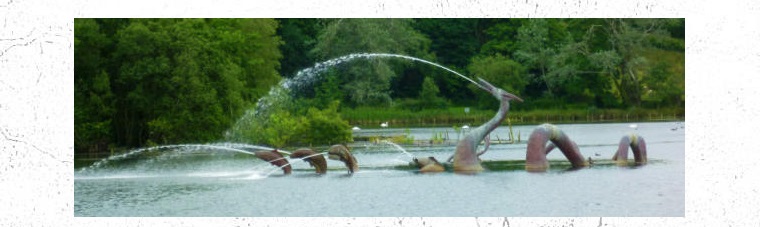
x,y
283,129
324,127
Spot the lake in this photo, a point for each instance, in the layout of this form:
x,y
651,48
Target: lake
x,y
217,182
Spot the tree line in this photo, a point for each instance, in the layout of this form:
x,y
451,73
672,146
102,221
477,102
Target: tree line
x,y
156,81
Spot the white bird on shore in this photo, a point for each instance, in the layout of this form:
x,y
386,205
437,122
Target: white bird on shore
x,y
355,128
384,124
465,127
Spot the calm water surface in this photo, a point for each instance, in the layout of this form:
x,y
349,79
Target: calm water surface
x,y
223,183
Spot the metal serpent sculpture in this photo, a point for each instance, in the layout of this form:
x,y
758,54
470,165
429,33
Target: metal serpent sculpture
x,y
536,152
487,142
639,148
465,157
316,160
428,165
275,158
341,153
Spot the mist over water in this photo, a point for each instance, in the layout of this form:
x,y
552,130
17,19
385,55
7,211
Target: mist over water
x,y
305,79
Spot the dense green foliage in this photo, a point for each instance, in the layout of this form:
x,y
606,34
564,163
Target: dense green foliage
x,y
325,126
159,81
500,71
168,80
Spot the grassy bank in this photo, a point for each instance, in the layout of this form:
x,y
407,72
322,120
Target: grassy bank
x,y
373,116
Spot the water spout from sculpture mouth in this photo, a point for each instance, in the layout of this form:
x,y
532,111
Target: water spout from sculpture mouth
x,y
399,148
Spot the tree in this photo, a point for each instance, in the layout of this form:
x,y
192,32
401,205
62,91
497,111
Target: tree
x,y
299,37
429,95
93,99
548,54
664,83
622,58
169,80
328,90
368,81
453,42
501,72
502,35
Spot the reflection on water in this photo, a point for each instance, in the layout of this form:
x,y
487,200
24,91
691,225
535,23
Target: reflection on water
x,y
225,184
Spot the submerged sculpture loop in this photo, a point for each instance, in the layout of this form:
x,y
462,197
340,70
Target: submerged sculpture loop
x,y
341,153
315,159
638,146
275,158
536,152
